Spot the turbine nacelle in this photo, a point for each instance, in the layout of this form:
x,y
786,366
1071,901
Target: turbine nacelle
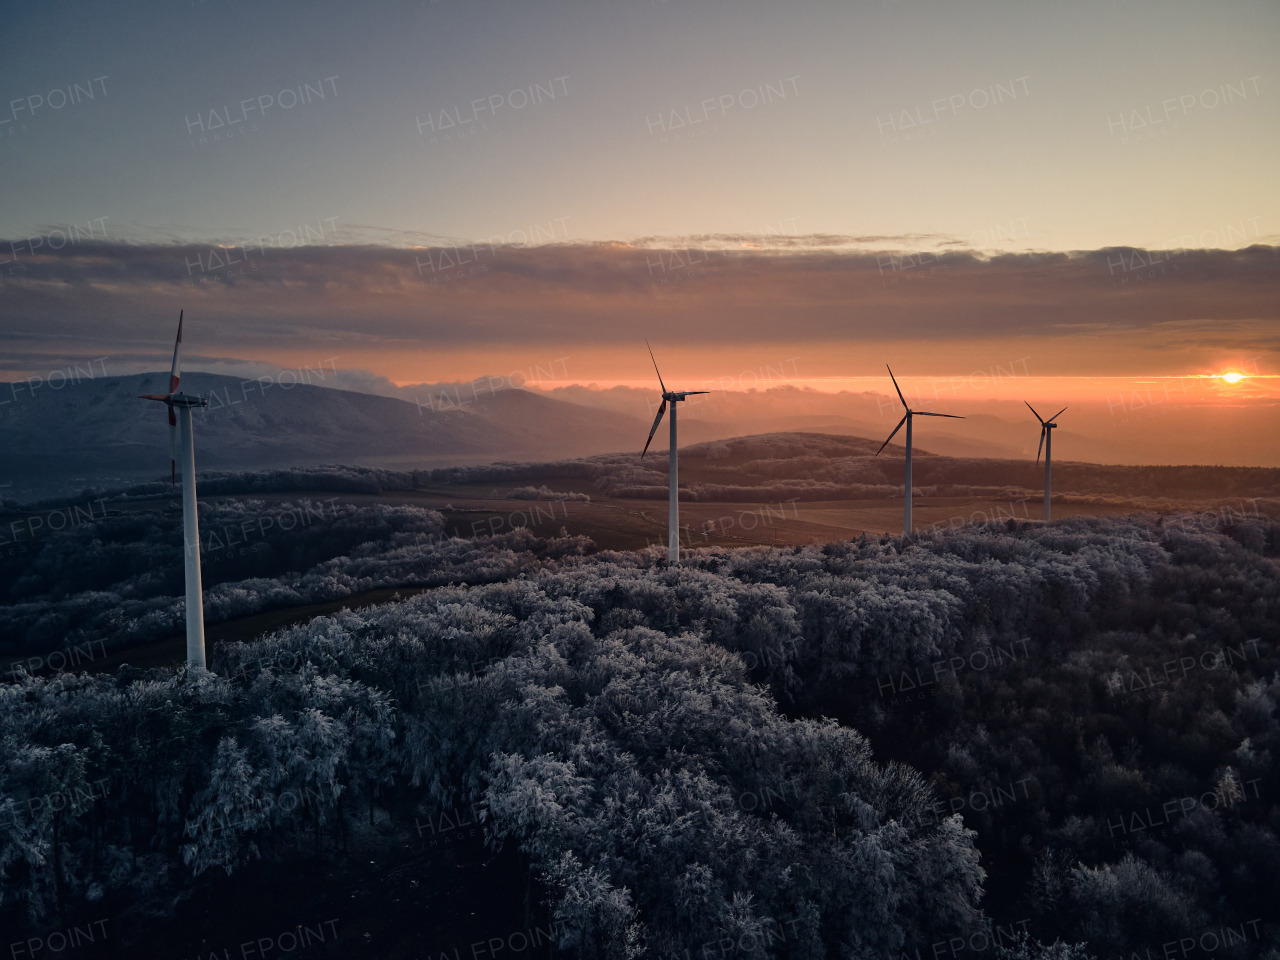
x,y
1045,426
909,413
668,396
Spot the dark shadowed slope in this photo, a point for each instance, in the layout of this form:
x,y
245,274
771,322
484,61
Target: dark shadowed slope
x,y
97,430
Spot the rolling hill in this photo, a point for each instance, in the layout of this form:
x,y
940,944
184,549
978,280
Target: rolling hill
x,y
96,432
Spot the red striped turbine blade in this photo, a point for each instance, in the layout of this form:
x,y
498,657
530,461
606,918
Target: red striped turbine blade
x,y
175,372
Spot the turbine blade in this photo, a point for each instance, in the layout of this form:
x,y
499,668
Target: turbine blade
x,y
1057,415
1033,410
896,387
162,397
892,435
656,420
175,372
173,450
925,413
658,372
1043,431
690,393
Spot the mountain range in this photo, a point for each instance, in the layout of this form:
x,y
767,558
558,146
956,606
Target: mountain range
x,y
94,432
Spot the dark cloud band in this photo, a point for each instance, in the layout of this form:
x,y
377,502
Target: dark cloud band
x,y
700,290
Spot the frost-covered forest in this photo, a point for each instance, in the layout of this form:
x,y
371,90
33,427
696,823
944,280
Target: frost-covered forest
x,y
882,747
117,580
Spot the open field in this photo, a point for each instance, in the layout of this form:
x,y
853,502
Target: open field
x,y
474,510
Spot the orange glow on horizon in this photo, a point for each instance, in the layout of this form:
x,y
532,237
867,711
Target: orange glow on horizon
x,y
1048,370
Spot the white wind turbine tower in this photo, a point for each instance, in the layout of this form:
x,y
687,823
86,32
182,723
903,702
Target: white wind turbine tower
x,y
906,504
673,509
1046,442
183,403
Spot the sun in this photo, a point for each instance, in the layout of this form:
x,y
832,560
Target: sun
x,y
1233,377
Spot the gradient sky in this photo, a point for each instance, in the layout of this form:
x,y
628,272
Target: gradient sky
x,y
823,217
1047,165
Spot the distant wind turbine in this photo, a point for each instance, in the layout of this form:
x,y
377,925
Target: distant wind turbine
x,y
906,506
183,402
1046,443
673,509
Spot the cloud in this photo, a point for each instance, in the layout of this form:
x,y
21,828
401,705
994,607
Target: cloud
x,y
701,290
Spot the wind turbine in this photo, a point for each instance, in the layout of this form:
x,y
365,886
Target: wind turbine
x,y
673,509
1046,442
183,404
906,505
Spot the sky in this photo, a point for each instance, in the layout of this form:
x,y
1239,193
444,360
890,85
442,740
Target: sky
x,y
433,191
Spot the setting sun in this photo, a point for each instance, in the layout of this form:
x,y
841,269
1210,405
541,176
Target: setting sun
x,y
1233,377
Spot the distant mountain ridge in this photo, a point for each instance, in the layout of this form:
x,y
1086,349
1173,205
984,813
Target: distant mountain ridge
x,y
1189,427
97,431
